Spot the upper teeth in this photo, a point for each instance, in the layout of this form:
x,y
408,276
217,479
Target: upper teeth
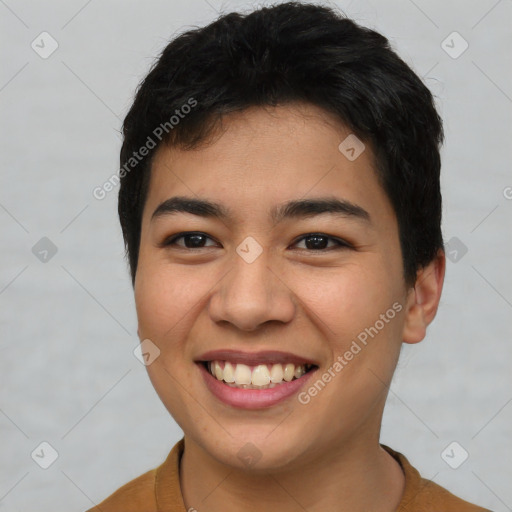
x,y
260,375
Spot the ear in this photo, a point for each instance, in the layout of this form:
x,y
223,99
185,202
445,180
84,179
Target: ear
x,y
423,299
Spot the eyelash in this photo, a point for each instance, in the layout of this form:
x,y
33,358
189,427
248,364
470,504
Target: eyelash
x,y
342,244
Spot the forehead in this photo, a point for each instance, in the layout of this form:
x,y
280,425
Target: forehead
x,y
261,157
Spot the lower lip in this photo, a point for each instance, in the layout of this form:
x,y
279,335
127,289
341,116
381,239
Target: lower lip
x,y
253,398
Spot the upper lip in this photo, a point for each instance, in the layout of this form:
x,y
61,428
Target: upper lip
x,y
254,358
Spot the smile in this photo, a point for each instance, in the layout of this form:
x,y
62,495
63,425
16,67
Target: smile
x,y
261,376
254,380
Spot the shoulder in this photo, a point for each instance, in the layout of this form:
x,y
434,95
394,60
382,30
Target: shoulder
x,y
431,496
421,495
157,489
134,496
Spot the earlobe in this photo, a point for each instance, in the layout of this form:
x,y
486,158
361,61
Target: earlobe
x,y
423,299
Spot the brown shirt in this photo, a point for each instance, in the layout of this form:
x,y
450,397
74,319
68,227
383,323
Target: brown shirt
x,y
159,490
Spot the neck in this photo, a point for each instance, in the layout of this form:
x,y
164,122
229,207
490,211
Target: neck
x,y
356,476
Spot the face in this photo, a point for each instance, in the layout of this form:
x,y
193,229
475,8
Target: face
x,y
259,286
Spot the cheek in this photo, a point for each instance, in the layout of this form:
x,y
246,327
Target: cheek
x,y
168,300
163,296
348,299
365,320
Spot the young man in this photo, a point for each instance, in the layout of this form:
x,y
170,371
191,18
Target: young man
x,y
281,209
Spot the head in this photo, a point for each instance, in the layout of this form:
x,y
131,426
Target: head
x,y
287,121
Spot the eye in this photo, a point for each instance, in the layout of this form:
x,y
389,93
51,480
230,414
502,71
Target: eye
x,y
313,241
193,240
318,242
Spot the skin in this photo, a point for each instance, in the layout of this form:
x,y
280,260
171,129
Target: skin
x,y
324,455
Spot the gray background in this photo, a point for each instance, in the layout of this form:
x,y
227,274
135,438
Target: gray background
x,y
68,373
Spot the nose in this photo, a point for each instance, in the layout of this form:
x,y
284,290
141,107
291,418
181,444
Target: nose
x,y
251,295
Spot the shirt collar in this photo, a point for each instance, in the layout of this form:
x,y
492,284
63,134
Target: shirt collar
x,y
170,499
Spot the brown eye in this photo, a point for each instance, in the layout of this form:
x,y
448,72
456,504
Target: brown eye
x,y
191,240
319,242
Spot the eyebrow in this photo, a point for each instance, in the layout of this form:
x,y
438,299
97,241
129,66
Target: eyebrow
x,y
301,208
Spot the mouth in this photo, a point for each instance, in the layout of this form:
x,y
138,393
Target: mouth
x,y
254,381
261,376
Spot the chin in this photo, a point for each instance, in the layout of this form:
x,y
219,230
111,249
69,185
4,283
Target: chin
x,y
253,452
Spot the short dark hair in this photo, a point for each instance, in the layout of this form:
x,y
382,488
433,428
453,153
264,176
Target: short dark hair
x,y
283,54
